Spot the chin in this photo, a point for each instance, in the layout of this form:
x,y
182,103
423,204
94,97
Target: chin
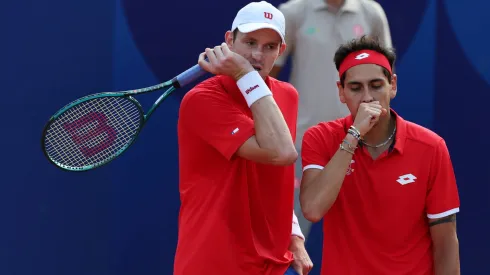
x,y
352,112
375,125
263,73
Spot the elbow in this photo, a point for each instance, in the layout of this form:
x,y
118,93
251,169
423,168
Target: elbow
x,y
311,212
312,215
286,156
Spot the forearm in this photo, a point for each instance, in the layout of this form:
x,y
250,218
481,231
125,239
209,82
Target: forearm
x,y
295,243
446,258
318,196
271,131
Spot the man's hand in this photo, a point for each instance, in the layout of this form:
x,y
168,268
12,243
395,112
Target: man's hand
x,y
302,262
221,60
367,115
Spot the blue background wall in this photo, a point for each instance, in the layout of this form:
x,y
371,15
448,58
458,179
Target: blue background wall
x,y
122,219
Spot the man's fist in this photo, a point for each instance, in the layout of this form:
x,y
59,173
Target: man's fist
x,y
221,60
367,115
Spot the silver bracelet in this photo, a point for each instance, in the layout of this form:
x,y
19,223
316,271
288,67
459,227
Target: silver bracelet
x,y
354,132
352,148
345,149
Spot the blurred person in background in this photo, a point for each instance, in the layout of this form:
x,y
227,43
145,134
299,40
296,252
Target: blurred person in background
x,y
315,29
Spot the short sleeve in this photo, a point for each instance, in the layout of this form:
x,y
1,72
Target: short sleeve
x,y
316,149
293,11
212,116
442,194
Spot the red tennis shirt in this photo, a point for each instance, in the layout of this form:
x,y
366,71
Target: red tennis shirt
x,y
379,223
236,215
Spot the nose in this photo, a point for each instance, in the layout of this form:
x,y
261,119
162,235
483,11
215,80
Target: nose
x,y
257,54
367,97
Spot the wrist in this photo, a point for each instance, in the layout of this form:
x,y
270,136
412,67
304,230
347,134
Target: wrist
x,y
351,140
243,72
296,243
253,87
349,143
355,132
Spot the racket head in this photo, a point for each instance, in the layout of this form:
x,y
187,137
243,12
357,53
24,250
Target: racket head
x,y
92,131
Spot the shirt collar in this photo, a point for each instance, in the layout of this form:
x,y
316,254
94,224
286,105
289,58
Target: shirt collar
x,y
401,130
348,6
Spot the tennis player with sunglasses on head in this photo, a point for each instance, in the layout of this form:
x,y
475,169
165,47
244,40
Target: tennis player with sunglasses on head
x,y
384,186
236,135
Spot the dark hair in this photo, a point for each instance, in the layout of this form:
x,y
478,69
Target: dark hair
x,y
364,43
235,32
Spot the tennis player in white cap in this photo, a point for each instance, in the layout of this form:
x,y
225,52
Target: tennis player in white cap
x,y
236,134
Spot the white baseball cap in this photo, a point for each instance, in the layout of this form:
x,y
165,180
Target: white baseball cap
x,y
260,15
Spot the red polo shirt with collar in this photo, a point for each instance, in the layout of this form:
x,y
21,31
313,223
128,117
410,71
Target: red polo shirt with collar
x,y
236,215
379,223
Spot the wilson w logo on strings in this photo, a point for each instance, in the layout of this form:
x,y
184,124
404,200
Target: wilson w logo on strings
x,y
91,133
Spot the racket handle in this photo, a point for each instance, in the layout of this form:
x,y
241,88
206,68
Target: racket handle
x,y
190,75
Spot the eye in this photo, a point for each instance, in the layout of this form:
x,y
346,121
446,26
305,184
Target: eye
x,y
355,88
272,46
250,43
377,85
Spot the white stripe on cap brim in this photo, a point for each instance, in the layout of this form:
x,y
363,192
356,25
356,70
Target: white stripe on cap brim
x,y
250,27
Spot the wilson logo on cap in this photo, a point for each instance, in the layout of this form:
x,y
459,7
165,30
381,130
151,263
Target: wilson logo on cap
x,y
268,15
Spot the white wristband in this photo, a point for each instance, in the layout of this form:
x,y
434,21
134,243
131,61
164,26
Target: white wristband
x,y
253,87
296,229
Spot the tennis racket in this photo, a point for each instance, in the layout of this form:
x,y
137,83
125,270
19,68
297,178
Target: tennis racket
x,y
94,130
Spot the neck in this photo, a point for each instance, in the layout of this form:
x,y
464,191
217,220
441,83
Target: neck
x,y
381,131
335,3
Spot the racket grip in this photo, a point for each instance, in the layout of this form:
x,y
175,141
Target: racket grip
x,y
188,76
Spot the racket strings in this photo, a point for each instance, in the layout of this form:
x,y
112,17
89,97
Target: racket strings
x,y
93,132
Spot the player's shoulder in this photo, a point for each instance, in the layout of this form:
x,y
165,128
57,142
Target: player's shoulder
x,y
292,5
371,7
283,86
324,135
420,134
327,129
212,84
209,88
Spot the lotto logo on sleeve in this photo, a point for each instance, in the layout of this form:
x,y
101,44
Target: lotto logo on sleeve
x,y
249,90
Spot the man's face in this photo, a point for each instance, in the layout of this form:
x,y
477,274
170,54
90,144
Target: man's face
x,y
366,83
261,48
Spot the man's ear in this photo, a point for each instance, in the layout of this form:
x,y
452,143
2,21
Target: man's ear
x,y
341,92
282,49
229,38
394,86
